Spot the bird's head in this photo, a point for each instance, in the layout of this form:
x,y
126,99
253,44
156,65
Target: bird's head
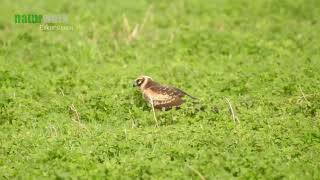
x,y
141,81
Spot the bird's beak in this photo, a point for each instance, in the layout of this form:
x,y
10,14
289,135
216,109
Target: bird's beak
x,y
134,84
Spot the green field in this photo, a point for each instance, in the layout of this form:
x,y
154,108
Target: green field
x,y
68,108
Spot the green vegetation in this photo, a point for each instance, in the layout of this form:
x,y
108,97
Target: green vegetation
x,y
67,108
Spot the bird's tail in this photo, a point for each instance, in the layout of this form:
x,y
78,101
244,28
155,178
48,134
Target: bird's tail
x,y
192,97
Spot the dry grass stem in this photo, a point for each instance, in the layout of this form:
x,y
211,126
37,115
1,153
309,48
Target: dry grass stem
x,y
134,33
303,95
51,127
77,116
234,116
61,91
146,17
126,24
154,112
197,172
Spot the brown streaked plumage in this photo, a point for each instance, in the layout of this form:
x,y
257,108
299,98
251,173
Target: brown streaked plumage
x,y
162,97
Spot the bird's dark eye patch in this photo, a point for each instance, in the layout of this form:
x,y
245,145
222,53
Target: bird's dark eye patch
x,y
139,81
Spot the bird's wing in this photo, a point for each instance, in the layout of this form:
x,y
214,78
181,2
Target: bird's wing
x,y
164,96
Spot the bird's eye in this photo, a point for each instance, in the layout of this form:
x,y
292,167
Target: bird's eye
x,y
139,82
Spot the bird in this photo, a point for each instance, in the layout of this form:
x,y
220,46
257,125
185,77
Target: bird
x,y
161,97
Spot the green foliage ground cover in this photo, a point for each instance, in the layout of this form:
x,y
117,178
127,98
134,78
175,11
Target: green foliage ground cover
x,y
262,55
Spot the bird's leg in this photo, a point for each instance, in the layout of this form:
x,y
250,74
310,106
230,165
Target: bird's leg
x,y
154,113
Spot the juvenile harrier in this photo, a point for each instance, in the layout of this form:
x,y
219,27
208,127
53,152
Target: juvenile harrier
x,y
160,96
